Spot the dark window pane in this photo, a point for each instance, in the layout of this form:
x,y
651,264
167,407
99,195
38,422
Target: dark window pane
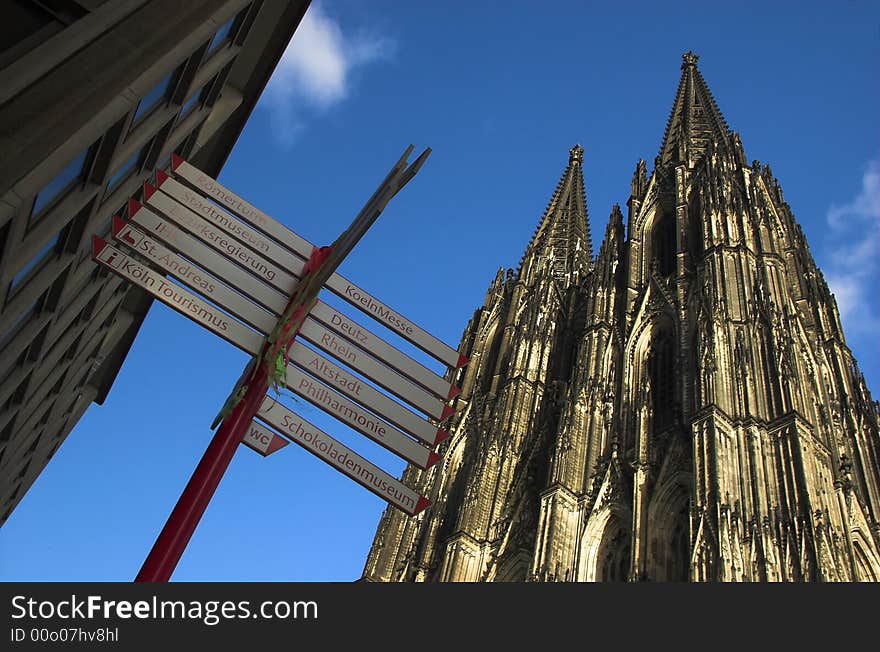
x,y
59,184
190,104
124,171
153,98
41,257
221,36
16,327
164,162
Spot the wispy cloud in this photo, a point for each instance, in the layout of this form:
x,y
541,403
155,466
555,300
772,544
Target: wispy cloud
x,y
315,72
853,261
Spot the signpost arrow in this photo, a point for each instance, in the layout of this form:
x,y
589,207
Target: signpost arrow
x,y
320,336
307,386
225,262
193,248
358,297
315,332
340,457
360,391
265,443
200,216
176,297
366,423
356,358
382,350
208,285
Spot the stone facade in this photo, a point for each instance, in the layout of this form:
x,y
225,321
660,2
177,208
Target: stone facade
x,y
682,407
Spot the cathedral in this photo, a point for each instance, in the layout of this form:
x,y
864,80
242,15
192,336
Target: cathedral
x,y
680,406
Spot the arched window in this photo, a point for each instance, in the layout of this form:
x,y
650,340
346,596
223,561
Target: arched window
x,y
864,570
663,244
669,549
661,375
695,227
613,555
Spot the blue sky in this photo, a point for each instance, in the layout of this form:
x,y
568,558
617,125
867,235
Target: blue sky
x,y
500,91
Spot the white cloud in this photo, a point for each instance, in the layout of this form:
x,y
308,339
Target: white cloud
x,y
316,69
853,272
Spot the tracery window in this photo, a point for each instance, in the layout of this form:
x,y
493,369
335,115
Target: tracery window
x,y
661,376
663,245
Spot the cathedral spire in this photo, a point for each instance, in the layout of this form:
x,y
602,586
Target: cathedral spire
x,y
695,119
563,234
685,410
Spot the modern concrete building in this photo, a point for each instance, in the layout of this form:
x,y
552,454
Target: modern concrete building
x,y
94,95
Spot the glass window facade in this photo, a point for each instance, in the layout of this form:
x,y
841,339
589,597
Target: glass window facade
x,y
152,99
190,104
38,260
124,171
222,36
19,324
62,182
164,162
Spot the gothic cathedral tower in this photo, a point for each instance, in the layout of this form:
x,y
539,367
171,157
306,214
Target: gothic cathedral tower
x,y
682,407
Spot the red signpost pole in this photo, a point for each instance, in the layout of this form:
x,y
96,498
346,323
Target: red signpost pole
x,y
179,528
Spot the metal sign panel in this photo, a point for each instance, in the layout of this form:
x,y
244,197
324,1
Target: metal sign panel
x,y
379,348
176,297
215,259
340,457
236,333
166,230
263,441
366,423
364,393
354,357
250,341
222,242
344,288
184,204
202,282
409,331
312,330
241,207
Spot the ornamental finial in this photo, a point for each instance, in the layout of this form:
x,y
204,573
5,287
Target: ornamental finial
x,y
689,60
576,154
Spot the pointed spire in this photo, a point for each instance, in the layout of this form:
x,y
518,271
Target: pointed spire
x,y
639,183
563,234
613,233
695,120
615,220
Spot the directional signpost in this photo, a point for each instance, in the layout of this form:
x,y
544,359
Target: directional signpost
x,y
336,283
206,252
212,270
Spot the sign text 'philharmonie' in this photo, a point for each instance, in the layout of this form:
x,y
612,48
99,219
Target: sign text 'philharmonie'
x,y
201,249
